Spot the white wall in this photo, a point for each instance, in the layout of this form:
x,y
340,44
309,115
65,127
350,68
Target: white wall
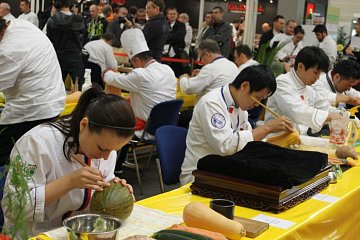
x,y
348,9
292,9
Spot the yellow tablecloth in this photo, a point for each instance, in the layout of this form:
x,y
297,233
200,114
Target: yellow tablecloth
x,y
313,219
189,102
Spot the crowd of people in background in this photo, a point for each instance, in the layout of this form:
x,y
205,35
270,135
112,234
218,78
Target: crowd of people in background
x,y
302,84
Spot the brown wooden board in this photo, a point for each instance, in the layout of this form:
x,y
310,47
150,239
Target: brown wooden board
x,y
253,228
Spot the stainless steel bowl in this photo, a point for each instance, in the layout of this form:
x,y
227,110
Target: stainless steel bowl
x,y
82,227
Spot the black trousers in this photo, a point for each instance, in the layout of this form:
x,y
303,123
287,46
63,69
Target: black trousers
x,y
10,133
95,73
71,63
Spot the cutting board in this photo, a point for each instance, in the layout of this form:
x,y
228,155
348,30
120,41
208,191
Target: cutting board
x,y
253,228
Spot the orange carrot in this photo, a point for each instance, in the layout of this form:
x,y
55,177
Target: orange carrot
x,y
210,234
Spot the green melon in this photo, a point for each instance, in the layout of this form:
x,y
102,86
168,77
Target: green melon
x,y
115,200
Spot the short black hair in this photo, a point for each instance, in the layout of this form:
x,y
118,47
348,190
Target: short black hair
x,y
147,55
243,48
108,36
321,28
3,24
133,10
259,77
347,69
159,3
26,1
277,17
58,4
171,8
312,57
218,7
298,29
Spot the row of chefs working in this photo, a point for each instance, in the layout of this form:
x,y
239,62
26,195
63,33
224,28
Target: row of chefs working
x,y
54,153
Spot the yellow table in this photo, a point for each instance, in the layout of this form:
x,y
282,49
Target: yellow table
x,y
314,219
189,100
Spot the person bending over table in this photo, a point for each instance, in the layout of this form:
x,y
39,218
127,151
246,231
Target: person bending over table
x,y
336,85
149,83
220,121
66,160
295,99
217,71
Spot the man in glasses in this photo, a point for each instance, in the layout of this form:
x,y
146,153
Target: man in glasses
x,y
220,121
218,71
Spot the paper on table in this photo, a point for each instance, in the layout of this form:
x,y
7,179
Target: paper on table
x,y
325,198
146,221
143,221
275,222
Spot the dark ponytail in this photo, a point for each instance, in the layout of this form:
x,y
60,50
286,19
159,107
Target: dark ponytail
x,y
103,111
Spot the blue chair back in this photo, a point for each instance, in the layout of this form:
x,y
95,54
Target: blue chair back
x,y
165,113
2,184
171,146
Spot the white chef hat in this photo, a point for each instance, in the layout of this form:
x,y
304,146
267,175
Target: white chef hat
x,y
133,41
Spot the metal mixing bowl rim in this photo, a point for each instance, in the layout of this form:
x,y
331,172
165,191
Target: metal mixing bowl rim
x,y
94,215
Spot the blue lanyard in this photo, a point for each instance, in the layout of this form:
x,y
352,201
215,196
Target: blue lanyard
x,y
217,58
238,120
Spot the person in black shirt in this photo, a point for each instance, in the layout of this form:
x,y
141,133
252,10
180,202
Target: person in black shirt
x,y
156,30
220,31
63,30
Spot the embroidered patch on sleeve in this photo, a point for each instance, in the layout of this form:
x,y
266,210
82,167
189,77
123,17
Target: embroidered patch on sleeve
x,y
218,120
29,170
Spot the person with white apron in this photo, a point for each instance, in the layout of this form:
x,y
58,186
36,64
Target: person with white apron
x,y
65,161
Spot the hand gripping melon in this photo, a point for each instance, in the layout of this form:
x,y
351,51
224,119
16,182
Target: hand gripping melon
x,y
115,200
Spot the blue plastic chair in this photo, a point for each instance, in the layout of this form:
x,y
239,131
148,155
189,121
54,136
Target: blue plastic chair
x,y
162,114
171,146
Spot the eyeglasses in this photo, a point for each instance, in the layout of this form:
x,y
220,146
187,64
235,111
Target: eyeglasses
x,y
260,98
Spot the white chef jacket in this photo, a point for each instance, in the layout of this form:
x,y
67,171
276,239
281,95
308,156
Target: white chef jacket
x,y
298,102
330,48
217,127
31,17
326,89
41,150
281,38
290,49
9,17
250,62
148,86
30,75
200,35
188,37
216,74
101,53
